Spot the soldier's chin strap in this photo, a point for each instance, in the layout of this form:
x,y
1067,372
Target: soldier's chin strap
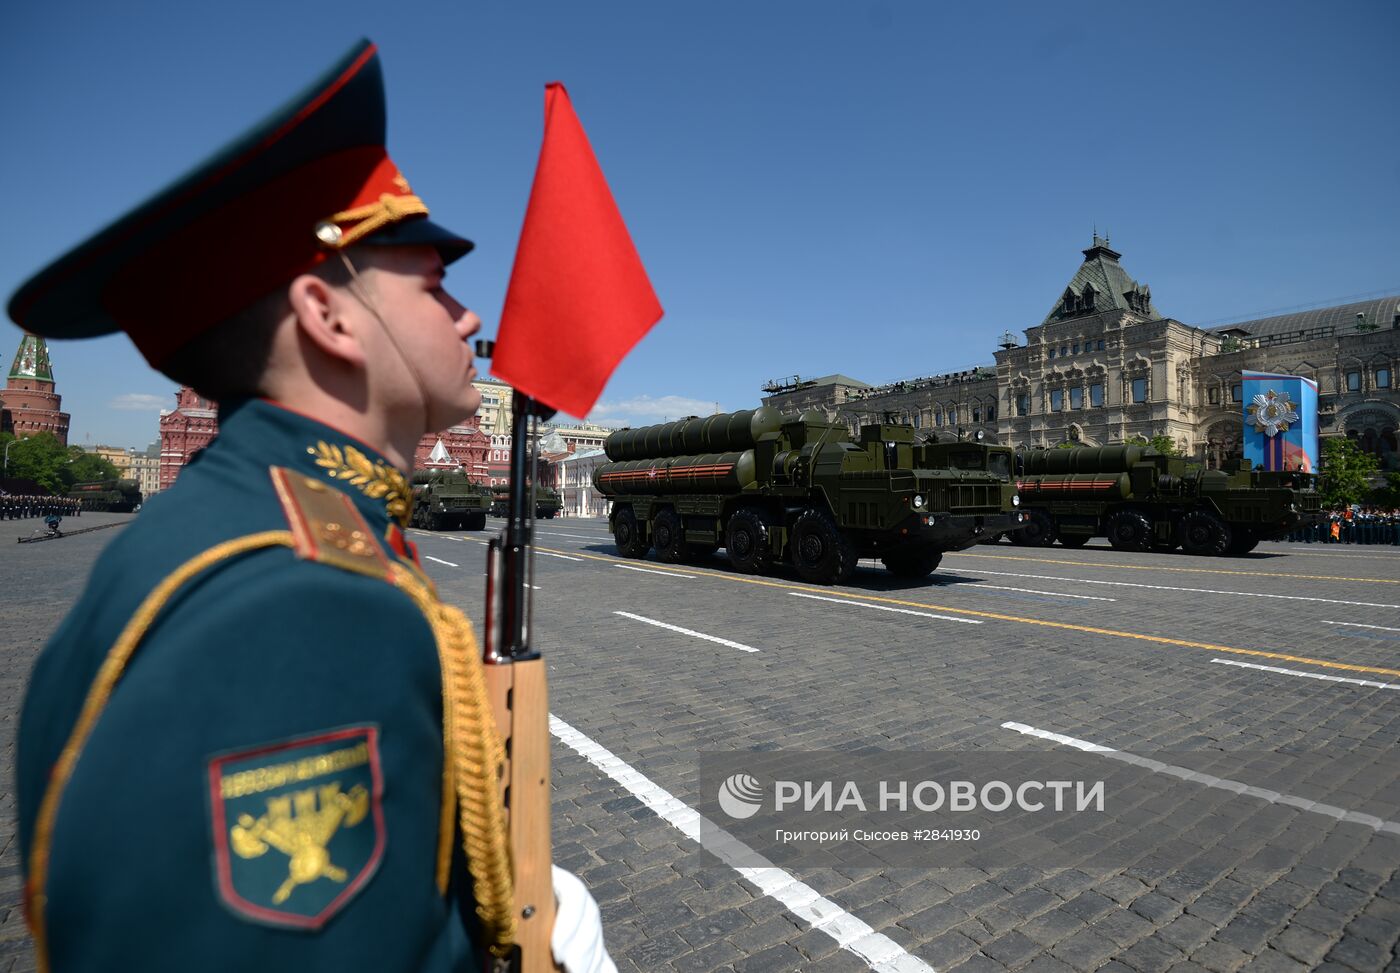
x,y
361,291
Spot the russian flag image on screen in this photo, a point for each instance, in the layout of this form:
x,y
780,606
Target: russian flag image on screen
x,y
1280,421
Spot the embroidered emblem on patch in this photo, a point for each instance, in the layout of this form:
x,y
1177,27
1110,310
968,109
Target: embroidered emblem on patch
x,y
298,825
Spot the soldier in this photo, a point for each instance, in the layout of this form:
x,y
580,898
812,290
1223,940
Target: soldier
x,y
260,738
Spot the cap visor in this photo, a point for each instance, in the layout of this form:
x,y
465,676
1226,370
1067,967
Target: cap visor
x,y
421,232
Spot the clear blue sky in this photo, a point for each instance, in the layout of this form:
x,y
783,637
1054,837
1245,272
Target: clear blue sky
x,y
875,188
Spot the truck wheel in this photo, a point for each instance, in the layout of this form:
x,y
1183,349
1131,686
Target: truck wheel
x,y
1242,543
912,564
1038,532
474,522
628,537
668,537
1074,540
434,522
746,542
1129,530
1203,533
821,553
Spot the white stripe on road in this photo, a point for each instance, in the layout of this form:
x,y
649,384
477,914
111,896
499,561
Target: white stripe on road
x,y
586,537
1307,675
562,557
1199,591
879,952
1381,628
664,574
686,631
439,560
886,608
1206,780
1030,591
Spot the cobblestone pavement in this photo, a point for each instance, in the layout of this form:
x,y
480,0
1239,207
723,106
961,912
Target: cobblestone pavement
x,y
51,573
1153,654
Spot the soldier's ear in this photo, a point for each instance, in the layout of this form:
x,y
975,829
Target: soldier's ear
x,y
325,317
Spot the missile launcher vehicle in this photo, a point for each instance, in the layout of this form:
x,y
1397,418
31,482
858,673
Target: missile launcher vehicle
x,y
1141,499
768,487
111,496
448,500
548,503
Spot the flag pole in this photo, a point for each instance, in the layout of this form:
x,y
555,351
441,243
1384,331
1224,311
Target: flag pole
x,y
578,300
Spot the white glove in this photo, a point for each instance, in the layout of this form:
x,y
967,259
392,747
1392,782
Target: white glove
x,y
577,938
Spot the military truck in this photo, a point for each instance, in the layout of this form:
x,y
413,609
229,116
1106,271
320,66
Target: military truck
x,y
1141,499
113,496
547,503
767,487
448,500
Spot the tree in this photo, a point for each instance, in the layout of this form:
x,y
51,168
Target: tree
x,y
1387,497
1346,469
1165,445
83,467
1068,444
45,460
39,458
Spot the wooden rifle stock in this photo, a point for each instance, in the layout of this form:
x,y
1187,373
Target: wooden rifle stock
x,y
518,689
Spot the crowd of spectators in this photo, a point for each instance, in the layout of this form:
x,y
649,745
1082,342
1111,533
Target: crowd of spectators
x,y
1357,524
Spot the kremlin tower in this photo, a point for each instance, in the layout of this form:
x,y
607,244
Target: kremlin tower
x,y
28,404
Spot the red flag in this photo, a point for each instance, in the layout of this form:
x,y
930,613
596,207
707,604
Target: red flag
x,y
579,298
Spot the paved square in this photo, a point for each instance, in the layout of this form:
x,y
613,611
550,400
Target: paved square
x,y
1230,666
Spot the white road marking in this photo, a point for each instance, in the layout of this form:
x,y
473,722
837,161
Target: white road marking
x,y
664,574
1378,555
686,631
562,557
879,952
1199,591
1206,780
440,560
886,608
586,537
1307,675
1031,591
1381,628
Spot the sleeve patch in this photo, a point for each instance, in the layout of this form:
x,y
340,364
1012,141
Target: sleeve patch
x,y
297,825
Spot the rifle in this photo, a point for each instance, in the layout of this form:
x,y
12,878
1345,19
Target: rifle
x,y
517,688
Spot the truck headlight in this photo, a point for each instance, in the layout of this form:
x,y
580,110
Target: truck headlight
x,y
1015,499
918,499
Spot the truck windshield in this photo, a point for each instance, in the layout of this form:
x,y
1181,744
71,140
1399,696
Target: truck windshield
x,y
968,461
1000,464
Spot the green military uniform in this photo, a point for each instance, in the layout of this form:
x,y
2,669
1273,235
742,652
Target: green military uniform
x,y
259,737
284,696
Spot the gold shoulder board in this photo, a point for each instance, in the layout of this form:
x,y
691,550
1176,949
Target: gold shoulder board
x,y
326,527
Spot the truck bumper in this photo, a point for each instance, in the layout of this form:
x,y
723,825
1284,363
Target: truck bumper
x,y
956,532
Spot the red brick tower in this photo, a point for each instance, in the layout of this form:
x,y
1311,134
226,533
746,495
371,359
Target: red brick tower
x,y
184,431
28,404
